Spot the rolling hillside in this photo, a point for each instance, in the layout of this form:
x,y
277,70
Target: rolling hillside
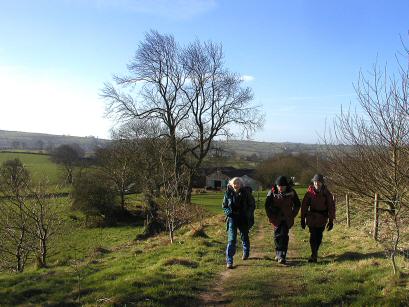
x,y
14,140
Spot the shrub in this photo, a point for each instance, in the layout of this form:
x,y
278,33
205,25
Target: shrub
x,y
95,197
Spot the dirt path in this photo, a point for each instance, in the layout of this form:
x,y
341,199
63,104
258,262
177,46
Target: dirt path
x,y
230,287
216,296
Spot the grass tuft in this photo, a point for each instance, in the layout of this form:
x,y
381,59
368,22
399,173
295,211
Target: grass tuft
x,y
181,261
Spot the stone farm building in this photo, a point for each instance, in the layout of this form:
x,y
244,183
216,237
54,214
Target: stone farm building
x,y
218,178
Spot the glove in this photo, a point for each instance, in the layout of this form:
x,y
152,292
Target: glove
x,y
228,212
303,223
330,225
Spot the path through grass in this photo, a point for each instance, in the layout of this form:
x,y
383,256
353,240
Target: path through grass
x,y
352,270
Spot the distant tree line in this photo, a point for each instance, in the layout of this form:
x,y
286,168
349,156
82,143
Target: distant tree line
x,y
301,166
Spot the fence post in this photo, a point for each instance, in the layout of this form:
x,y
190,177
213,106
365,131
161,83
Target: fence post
x,y
375,223
347,209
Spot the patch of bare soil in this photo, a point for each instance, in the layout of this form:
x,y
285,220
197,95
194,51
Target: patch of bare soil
x,y
261,249
216,295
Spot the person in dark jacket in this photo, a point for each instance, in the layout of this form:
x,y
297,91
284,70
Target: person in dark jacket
x,y
238,206
318,212
282,206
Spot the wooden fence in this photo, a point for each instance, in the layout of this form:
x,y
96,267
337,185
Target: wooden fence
x,y
375,227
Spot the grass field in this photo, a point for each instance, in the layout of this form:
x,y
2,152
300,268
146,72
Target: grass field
x,y
212,200
37,164
107,266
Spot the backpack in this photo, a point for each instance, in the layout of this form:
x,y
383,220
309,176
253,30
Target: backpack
x,y
251,206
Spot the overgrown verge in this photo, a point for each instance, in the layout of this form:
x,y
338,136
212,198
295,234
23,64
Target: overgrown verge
x,y
109,268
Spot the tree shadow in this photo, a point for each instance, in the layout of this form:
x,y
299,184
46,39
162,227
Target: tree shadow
x,y
404,253
296,262
353,256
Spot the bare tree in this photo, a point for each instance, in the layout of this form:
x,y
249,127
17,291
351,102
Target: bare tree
x,y
368,150
41,209
16,242
118,163
29,220
68,156
185,90
172,205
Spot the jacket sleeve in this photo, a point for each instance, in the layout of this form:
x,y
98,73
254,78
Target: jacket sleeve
x,y
296,203
268,204
251,201
331,206
304,206
226,205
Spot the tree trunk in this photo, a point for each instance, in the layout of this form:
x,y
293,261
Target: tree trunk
x,y
171,229
43,253
395,245
122,200
347,210
20,252
376,217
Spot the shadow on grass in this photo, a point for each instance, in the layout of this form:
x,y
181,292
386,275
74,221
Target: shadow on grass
x,y
267,261
353,256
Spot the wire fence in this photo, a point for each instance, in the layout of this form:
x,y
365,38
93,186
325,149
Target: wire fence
x,y
381,218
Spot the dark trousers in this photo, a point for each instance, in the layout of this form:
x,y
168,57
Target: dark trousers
x,y
281,239
315,239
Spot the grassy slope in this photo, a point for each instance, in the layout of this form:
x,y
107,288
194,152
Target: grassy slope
x,y
97,266
352,270
93,266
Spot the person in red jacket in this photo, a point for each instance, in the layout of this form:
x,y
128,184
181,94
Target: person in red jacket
x,y
318,212
282,205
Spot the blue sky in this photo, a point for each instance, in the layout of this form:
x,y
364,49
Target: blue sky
x,y
302,57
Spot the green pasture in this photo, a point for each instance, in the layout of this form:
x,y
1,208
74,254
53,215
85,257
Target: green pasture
x,y
212,200
107,266
98,266
39,165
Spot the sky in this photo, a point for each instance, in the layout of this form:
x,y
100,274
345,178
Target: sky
x,y
300,57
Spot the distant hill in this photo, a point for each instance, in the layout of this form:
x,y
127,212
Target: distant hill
x,y
263,150
15,140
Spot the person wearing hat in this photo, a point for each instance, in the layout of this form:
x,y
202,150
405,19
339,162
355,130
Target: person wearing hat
x,y
282,206
318,212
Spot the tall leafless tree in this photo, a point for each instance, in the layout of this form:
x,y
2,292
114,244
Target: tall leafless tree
x,y
29,220
368,149
187,91
118,163
68,156
16,242
42,210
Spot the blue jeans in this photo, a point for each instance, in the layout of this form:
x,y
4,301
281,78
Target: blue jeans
x,y
232,226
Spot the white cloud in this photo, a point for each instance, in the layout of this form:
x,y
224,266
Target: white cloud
x,y
45,103
172,9
247,78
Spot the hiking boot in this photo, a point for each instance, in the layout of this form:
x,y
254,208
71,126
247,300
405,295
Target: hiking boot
x,y
229,265
282,261
312,259
245,257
